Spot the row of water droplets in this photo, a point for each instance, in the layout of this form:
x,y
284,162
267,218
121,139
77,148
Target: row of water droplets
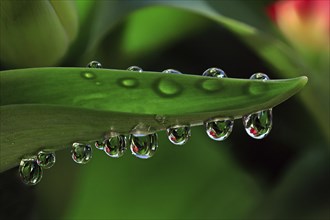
x,y
144,146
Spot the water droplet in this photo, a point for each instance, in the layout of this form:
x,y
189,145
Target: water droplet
x,y
135,68
173,71
219,129
115,146
144,146
260,76
94,64
88,75
46,158
29,170
128,82
167,87
81,153
179,134
259,124
215,72
161,119
99,145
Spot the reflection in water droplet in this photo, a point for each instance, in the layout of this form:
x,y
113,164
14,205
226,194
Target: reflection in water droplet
x,y
29,170
94,64
81,153
115,146
260,76
135,68
88,75
179,134
99,145
215,72
167,87
128,82
46,158
143,146
173,71
259,124
219,129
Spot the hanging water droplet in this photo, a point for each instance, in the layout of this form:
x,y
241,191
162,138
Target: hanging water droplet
x,y
219,129
259,124
81,153
135,68
94,64
144,146
99,145
173,71
46,158
260,76
115,146
215,72
179,134
29,170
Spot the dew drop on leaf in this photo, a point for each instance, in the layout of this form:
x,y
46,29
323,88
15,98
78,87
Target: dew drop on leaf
x,y
135,69
46,158
94,64
179,134
99,145
219,129
143,146
81,153
215,72
173,71
29,170
115,146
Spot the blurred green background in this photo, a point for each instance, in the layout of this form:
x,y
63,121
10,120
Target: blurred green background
x,y
284,176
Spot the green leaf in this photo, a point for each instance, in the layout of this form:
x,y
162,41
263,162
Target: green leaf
x,y
54,107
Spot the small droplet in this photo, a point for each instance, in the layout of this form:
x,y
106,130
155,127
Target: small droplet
x,y
29,170
260,76
168,87
173,71
179,134
219,129
135,68
46,158
144,146
115,146
94,64
88,75
259,124
99,145
128,82
81,153
215,72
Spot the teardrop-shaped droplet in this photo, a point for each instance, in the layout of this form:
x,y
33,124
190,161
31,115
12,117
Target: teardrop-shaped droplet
x,y
135,68
81,153
29,170
94,64
260,76
99,145
144,146
46,158
115,146
179,134
219,129
215,72
259,124
173,71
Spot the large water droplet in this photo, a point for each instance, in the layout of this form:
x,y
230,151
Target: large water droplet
x,y
215,72
29,170
46,158
135,68
260,76
179,134
259,124
219,129
81,153
99,145
94,64
115,146
144,146
173,71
